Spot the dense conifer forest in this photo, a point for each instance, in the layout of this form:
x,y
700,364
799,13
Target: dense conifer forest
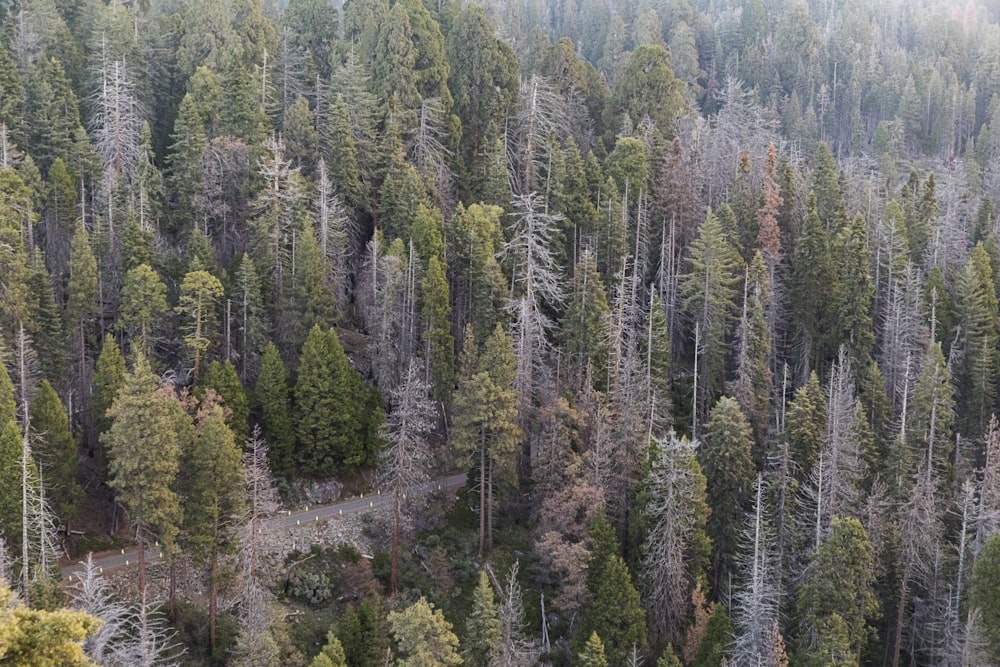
x,y
702,295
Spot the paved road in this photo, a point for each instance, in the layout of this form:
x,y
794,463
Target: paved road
x,y
112,560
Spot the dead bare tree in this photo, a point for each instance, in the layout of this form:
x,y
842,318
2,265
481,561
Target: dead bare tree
x,y
405,461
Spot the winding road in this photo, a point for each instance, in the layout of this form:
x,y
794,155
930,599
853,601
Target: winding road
x,y
112,560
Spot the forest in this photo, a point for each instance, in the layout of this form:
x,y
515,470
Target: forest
x,y
699,298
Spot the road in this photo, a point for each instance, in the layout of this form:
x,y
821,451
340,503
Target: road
x,y
112,560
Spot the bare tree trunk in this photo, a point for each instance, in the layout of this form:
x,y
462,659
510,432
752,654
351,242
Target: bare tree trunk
x,y
394,570
482,492
900,615
489,515
213,602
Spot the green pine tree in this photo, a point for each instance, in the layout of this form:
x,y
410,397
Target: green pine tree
x,y
436,316
144,449
81,297
485,431
616,610
840,585
727,462
483,629
424,637
343,162
199,296
221,378
592,654
805,426
143,304
55,451
272,398
331,655
213,491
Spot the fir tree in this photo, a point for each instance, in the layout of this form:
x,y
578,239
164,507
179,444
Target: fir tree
x,y
212,489
55,451
145,449
81,297
592,654
812,285
424,636
839,591
853,292
436,316
199,295
221,378
108,381
616,610
980,334
143,303
271,394
331,408
728,466
709,293
482,628
585,323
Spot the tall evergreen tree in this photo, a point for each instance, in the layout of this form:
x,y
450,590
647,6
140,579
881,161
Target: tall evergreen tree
x,y
82,296
55,451
143,303
331,409
812,286
212,488
199,296
838,597
221,377
483,629
485,430
436,316
272,398
616,610
727,462
853,292
145,451
709,293
980,334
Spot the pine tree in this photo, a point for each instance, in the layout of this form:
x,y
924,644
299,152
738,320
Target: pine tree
x,y
424,636
654,348
728,466
144,448
980,334
485,431
825,185
212,489
108,381
331,655
752,388
805,426
331,411
199,296
55,451
483,632
812,286
616,610
931,419
315,293
364,634
592,654
271,396
709,293
853,292
38,638
436,316
143,304
838,592
221,378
